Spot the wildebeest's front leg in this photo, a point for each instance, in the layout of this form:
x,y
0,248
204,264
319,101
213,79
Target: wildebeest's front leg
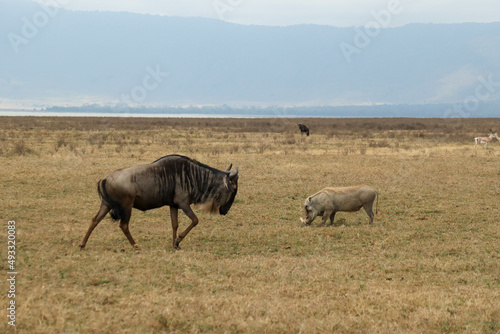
x,y
174,217
103,211
194,221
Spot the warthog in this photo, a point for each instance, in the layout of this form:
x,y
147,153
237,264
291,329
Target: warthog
x,y
329,201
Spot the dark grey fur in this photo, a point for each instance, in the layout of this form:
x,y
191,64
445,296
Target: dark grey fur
x,y
174,180
303,129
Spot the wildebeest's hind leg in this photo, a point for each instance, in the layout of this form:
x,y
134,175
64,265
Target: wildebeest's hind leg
x,y
124,226
194,221
369,211
103,211
174,217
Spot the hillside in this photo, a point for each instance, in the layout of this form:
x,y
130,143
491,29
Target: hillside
x,y
144,59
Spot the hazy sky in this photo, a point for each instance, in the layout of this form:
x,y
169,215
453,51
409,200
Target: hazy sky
x,y
288,12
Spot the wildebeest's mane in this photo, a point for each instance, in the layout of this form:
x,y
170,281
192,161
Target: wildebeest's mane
x,y
196,162
200,180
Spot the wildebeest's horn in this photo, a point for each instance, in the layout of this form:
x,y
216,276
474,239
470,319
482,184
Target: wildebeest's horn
x,y
229,168
233,174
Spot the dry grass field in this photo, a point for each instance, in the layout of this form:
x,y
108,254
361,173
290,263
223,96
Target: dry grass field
x,y
430,263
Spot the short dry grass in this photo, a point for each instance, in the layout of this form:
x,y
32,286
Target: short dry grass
x,y
429,263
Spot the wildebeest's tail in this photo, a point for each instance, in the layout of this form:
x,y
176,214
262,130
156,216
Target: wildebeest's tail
x,y
117,211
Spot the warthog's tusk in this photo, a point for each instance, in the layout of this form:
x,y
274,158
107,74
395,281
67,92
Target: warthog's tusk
x,y
302,220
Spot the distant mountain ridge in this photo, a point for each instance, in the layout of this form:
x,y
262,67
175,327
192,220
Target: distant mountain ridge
x,y
62,55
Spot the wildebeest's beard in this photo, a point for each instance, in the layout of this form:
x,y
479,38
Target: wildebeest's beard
x,y
224,209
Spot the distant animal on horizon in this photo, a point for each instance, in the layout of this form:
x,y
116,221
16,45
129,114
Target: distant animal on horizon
x,y
303,129
485,140
329,201
174,180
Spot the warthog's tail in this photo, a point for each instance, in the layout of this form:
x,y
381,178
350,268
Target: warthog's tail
x,y
117,211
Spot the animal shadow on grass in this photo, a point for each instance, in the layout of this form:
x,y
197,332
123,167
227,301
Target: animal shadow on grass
x,y
339,222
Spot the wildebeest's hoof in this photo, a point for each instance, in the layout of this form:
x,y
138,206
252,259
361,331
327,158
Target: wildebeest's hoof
x,y
136,247
177,242
82,247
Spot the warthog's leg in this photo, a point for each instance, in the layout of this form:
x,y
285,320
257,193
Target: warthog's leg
x,y
326,215
103,211
194,221
369,211
174,217
124,226
332,217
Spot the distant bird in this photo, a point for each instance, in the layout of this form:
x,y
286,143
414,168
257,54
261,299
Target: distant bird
x,y
303,129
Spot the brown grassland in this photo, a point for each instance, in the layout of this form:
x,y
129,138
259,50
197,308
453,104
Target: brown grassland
x,y
430,263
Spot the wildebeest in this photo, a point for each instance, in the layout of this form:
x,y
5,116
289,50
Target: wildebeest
x,y
174,180
328,201
303,129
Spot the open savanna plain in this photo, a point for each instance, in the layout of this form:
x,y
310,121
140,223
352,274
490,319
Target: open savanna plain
x,y
430,263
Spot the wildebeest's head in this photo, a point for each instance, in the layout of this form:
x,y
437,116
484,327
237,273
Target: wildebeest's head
x,y
231,184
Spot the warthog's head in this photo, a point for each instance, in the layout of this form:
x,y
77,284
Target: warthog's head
x,y
310,210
